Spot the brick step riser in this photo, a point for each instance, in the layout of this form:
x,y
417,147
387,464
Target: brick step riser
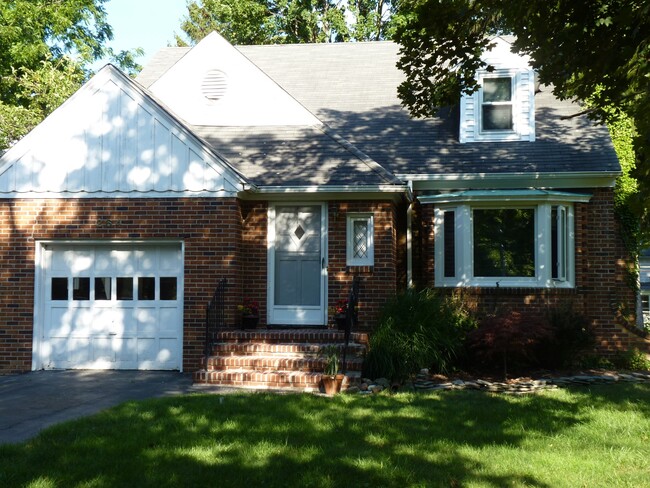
x,y
253,379
284,337
301,350
284,364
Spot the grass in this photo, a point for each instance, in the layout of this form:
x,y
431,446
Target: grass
x,y
581,437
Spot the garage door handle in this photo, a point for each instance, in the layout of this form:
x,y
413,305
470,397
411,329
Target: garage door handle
x,y
112,333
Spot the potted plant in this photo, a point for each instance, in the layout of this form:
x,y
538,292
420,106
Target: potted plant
x,y
250,311
332,379
340,314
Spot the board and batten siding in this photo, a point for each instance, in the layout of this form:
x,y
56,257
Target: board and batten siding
x,y
111,138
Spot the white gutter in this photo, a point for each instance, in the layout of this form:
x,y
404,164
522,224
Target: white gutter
x,y
333,189
451,181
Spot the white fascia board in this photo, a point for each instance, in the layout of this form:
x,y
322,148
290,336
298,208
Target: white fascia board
x,y
577,179
486,196
333,192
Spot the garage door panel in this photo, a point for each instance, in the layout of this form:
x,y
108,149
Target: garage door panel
x,y
127,350
147,322
79,351
59,322
101,324
167,321
170,260
104,349
168,348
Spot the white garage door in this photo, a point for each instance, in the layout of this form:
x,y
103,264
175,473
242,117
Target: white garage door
x,y
111,307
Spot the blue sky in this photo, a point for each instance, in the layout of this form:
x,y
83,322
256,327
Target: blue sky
x,y
149,24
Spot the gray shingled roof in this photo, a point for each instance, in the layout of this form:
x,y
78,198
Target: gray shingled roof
x,y
352,88
294,156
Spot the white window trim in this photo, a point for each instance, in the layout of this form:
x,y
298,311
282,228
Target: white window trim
x,y
523,127
497,133
349,239
464,237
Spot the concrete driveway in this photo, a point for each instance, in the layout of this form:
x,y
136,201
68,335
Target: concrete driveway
x,y
33,401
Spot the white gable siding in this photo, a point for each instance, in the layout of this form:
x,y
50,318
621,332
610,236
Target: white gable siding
x,y
109,139
250,97
509,64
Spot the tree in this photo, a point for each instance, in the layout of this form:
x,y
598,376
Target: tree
x,y
597,52
288,21
45,48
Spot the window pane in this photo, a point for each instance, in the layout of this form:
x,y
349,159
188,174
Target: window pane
x,y
504,242
102,288
360,239
146,288
645,303
497,89
124,289
450,244
59,288
81,288
497,117
559,243
168,288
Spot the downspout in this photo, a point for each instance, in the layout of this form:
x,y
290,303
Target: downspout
x,y
409,238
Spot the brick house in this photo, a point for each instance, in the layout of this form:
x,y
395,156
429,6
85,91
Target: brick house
x,y
288,170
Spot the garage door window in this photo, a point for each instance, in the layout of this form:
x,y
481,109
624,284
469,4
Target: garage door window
x,y
125,288
59,288
146,288
168,288
102,288
81,288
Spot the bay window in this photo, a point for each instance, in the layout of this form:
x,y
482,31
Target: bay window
x,y
514,245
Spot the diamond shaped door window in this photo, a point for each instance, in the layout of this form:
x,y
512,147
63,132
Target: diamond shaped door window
x,y
299,232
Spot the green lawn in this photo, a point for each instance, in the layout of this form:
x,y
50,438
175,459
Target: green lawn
x,y
582,437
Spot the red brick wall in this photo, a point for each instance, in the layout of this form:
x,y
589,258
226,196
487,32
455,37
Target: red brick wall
x,y
379,283
210,229
602,292
255,254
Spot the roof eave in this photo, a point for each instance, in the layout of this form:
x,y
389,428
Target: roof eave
x,y
327,192
575,179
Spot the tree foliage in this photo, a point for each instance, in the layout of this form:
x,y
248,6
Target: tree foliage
x,y
45,48
597,52
288,21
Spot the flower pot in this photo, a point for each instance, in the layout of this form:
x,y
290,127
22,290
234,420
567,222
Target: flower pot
x,y
332,383
249,321
340,321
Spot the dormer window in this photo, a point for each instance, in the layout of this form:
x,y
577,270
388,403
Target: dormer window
x,y
496,104
503,109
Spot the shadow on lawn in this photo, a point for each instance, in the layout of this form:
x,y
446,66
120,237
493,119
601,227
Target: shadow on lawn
x,y
294,440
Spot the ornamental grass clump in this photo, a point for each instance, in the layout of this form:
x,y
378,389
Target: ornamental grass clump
x,y
418,329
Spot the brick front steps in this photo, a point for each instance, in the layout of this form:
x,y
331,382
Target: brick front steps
x,y
277,358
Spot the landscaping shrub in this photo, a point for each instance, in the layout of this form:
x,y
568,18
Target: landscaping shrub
x,y
510,337
632,359
573,336
417,329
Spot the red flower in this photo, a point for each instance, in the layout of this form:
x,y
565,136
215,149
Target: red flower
x,y
249,307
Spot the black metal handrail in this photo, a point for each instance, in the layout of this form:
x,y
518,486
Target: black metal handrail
x,y
215,316
351,317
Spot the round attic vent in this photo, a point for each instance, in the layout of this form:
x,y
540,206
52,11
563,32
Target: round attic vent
x,y
215,85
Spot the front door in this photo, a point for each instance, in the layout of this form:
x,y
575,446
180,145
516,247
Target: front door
x,y
297,267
